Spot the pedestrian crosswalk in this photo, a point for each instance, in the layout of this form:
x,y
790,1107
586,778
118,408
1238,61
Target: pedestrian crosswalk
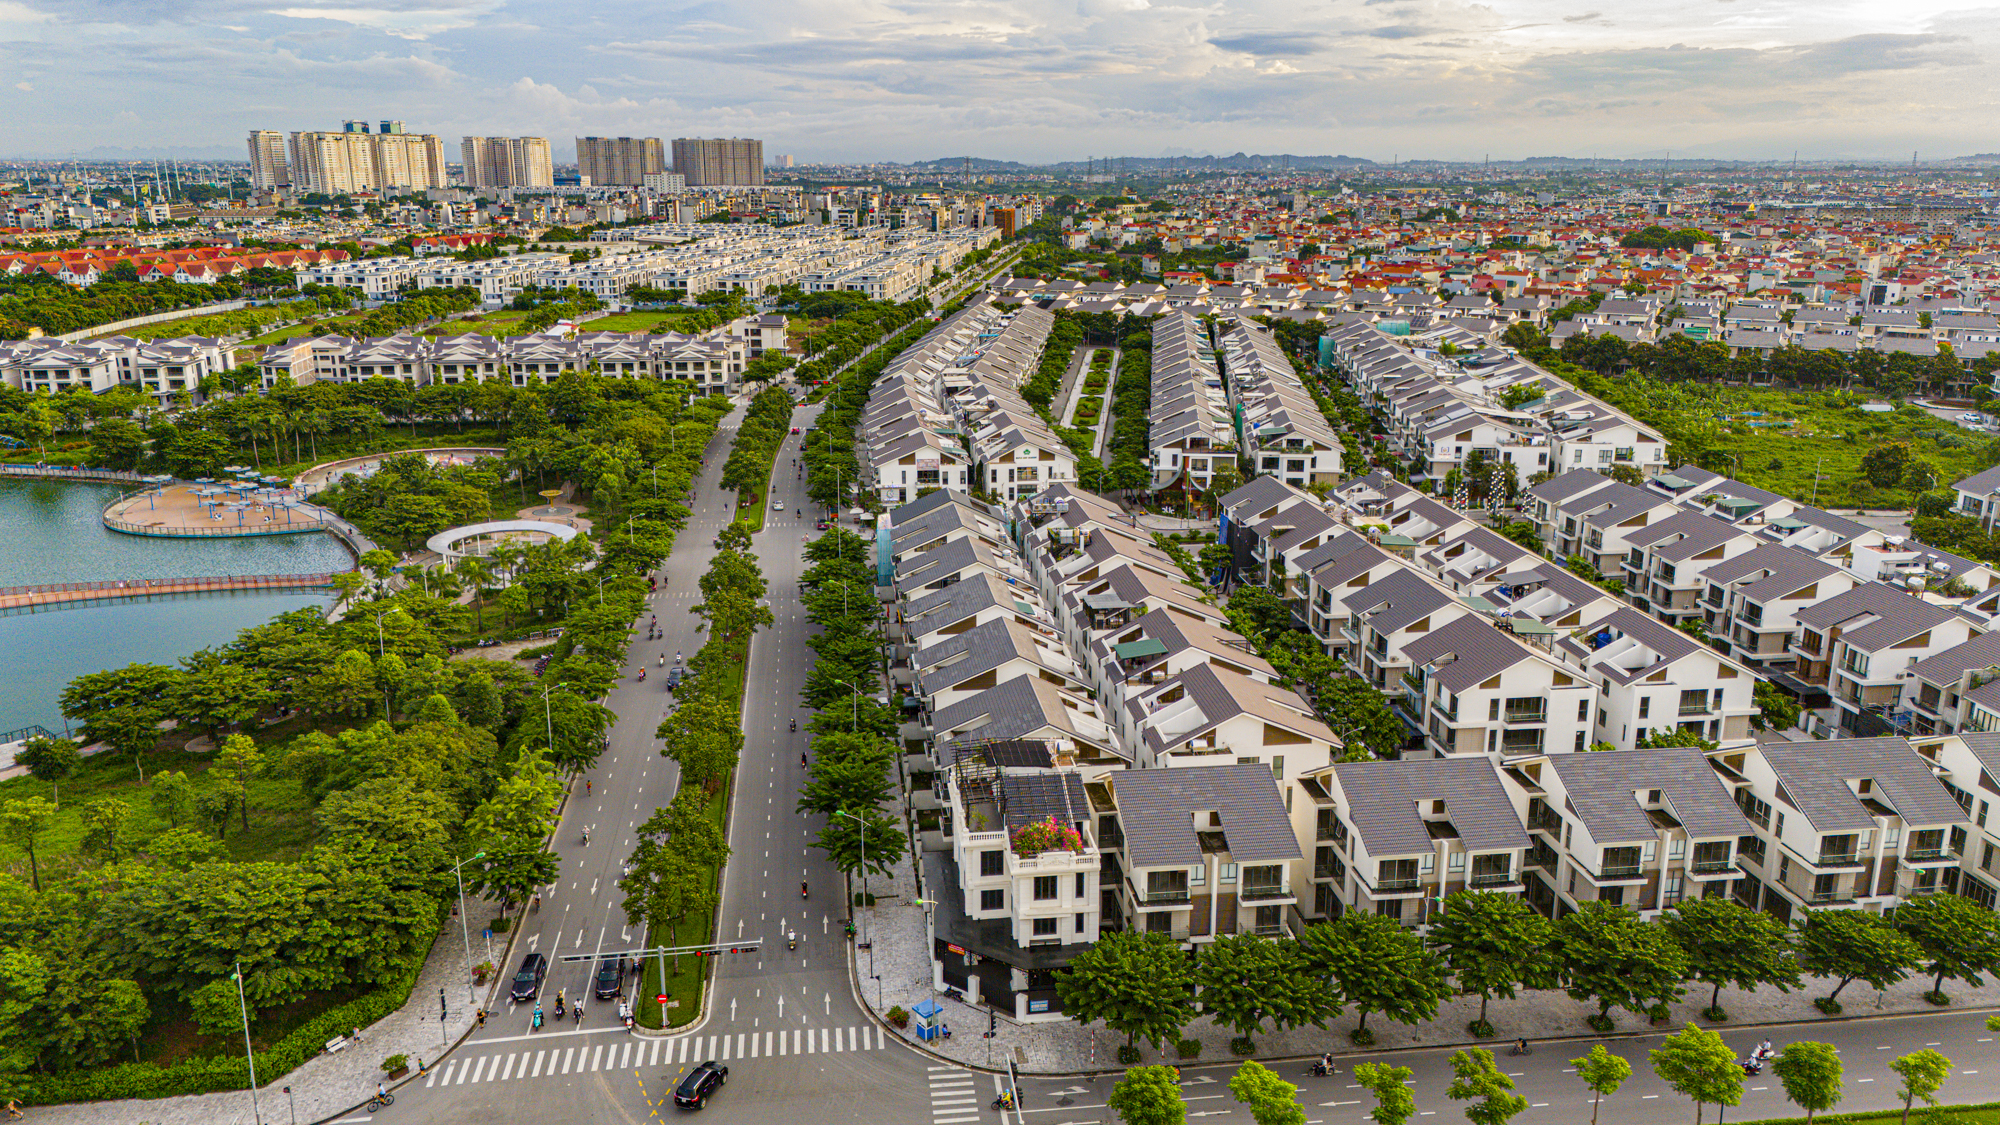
x,y
579,1054
954,1096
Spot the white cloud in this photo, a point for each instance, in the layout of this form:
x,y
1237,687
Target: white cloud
x,y
413,24
28,86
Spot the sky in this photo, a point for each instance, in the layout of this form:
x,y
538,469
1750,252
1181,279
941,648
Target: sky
x,y
1027,80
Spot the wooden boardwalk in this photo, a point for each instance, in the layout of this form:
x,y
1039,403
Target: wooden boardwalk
x,y
57,593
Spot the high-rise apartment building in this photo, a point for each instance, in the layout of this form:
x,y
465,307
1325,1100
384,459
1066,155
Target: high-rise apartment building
x,y
356,160
619,160
268,167
720,161
507,162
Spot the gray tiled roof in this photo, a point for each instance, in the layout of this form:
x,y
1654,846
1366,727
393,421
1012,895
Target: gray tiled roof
x,y
1783,570
1980,652
1815,777
1156,810
1383,800
1605,790
1985,747
1903,615
1478,652
1402,598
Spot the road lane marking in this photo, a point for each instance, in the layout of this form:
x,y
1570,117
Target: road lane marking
x,y
538,1064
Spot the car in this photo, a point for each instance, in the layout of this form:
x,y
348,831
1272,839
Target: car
x,y
822,525
700,1083
777,505
528,981
610,978
674,677
795,429
1968,417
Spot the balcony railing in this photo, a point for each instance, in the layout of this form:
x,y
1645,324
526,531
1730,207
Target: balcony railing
x,y
1761,820
1695,709
1262,891
1278,930
1409,883
1620,871
1514,718
1839,859
1495,879
1822,898
1927,855
1712,866
1159,898
1545,820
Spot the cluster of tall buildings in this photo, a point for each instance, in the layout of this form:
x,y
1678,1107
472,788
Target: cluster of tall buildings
x,y
358,159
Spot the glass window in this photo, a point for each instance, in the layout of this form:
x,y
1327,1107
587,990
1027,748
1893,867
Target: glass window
x,y
1046,888
992,863
1455,861
992,900
1045,927
1198,876
1228,874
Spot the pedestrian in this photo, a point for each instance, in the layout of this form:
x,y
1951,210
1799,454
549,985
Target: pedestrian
x,y
420,1064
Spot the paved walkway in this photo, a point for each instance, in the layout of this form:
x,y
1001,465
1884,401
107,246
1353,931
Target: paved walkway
x,y
330,1084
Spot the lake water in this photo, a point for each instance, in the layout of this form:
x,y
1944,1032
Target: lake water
x,y
50,532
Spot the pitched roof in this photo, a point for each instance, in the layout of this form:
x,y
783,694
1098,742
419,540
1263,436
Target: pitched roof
x,y
1476,650
1605,790
1815,777
1157,810
1387,802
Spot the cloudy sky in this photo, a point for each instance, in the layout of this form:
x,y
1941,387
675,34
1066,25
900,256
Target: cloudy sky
x,y
1024,79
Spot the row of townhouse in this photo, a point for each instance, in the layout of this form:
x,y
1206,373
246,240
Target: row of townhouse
x,y
1190,433
1834,611
709,362
1072,673
947,412
1280,428
1485,647
1442,412
158,368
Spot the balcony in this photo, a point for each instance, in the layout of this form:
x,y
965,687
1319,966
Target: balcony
x,y
1545,819
1401,883
1526,718
1615,871
1262,892
1695,709
1838,859
1829,898
1171,897
1928,855
1711,866
1495,879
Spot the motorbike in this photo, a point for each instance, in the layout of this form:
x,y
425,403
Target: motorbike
x,y
559,1007
802,890
538,1015
795,726
677,656
791,941
802,757
1320,1070
1752,1067
642,675
586,835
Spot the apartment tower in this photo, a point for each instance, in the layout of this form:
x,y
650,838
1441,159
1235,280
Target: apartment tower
x,y
619,161
720,161
507,162
356,160
268,167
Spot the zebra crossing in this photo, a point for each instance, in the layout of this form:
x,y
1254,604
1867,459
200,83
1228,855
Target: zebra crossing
x,y
628,1052
954,1096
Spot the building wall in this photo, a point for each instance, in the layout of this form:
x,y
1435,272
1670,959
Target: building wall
x,y
268,166
624,161
720,161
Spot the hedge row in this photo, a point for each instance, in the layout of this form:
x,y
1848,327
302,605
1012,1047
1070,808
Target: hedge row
x,y
208,1074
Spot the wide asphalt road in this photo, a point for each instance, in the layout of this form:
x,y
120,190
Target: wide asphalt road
x,y
784,1022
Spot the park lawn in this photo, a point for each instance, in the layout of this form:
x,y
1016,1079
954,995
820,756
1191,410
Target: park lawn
x,y
397,438
630,322
332,325
281,816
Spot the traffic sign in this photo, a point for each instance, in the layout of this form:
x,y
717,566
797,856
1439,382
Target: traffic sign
x,y
662,997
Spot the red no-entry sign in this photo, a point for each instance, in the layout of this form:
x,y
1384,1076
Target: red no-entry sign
x,y
662,998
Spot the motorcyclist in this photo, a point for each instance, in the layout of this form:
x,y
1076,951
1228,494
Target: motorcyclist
x,y
795,724
642,675
802,889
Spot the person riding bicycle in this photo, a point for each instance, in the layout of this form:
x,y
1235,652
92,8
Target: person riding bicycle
x,y
1520,1046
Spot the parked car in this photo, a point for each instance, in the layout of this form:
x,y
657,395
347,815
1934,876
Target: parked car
x,y
701,1082
528,981
610,979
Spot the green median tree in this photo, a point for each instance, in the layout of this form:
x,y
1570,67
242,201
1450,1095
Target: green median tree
x,y
1394,1104
1487,1090
1810,1073
1139,984
1729,943
1608,954
1923,1074
1247,979
1148,1095
1698,1065
1602,1073
1958,939
1272,1100
1493,944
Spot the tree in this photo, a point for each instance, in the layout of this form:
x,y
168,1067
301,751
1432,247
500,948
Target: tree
x,y
1602,1073
703,735
1923,1073
874,845
1700,1066
1248,978
53,760
1149,1095
1607,954
107,831
1810,1073
1729,943
1215,558
1135,983
117,443
1256,612
1884,465
1394,1104
1524,534
1775,709
23,820
1379,966
1851,945
479,702
662,887
1272,1100
172,797
1958,938
1487,1089
1492,943
239,760
846,783
1361,717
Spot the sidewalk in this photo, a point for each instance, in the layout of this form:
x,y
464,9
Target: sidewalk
x,y
902,959
328,1085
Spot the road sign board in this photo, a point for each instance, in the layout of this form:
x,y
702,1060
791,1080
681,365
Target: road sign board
x,y
662,998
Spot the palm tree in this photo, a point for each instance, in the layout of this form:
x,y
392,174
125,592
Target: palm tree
x,y
478,572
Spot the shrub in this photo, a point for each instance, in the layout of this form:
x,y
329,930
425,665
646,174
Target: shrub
x,y
1242,1047
898,1016
1481,1029
1938,998
1188,1048
394,1063
1600,1023
1715,1014
1361,1037
1827,1006
1128,1055
1038,836
501,924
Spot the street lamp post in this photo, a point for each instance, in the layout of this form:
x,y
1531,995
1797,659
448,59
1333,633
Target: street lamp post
x,y
854,701
465,927
861,826
256,1114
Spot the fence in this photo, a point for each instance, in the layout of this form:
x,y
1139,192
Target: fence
x,y
138,587
151,318
162,532
69,472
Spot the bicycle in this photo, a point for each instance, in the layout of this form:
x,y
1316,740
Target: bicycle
x,y
1520,1048
378,1101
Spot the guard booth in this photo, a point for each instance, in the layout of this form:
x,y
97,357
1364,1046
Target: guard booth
x,y
927,1018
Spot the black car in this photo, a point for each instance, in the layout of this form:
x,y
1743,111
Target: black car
x,y
610,978
702,1081
528,981
674,677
